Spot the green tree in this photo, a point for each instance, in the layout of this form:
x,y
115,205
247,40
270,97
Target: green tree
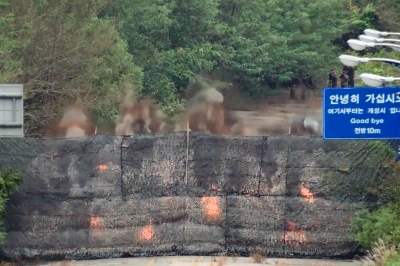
x,y
173,40
360,17
85,50
368,171
386,17
169,40
293,40
378,67
9,181
9,45
67,54
369,227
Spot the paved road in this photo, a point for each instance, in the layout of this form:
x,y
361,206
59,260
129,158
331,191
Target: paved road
x,y
202,261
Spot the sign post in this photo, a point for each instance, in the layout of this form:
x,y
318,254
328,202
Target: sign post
x,y
361,113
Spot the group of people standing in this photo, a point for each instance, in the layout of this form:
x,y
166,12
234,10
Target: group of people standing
x,y
346,78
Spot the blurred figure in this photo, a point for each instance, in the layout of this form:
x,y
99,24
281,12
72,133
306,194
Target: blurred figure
x,y
332,79
344,79
350,73
309,82
292,94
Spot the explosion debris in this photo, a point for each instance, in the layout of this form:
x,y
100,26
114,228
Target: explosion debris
x,y
204,113
139,117
207,111
73,123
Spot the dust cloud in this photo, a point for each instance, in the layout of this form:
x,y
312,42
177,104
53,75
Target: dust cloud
x,y
74,122
139,117
209,109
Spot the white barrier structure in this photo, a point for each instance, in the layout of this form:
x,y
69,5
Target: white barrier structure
x,y
11,110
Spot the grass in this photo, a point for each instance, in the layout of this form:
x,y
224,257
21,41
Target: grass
x,y
381,254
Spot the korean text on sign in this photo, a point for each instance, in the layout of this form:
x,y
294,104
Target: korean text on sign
x,y
378,98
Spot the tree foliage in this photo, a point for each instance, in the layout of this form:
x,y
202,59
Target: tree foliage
x,y
374,172
65,53
9,181
243,38
85,50
378,67
363,171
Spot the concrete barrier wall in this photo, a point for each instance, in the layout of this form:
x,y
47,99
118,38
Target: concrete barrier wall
x,y
106,196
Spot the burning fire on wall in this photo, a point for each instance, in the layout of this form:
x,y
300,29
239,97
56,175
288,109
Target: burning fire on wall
x,y
96,222
294,235
307,194
147,232
102,167
211,207
96,228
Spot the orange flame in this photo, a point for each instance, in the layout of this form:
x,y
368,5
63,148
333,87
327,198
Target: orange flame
x,y
294,235
102,167
306,193
147,232
211,207
95,222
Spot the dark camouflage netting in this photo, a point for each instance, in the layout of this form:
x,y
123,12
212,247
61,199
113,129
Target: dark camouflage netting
x,y
107,196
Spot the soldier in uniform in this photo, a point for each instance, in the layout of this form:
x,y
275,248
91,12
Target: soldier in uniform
x,y
332,79
344,79
350,73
